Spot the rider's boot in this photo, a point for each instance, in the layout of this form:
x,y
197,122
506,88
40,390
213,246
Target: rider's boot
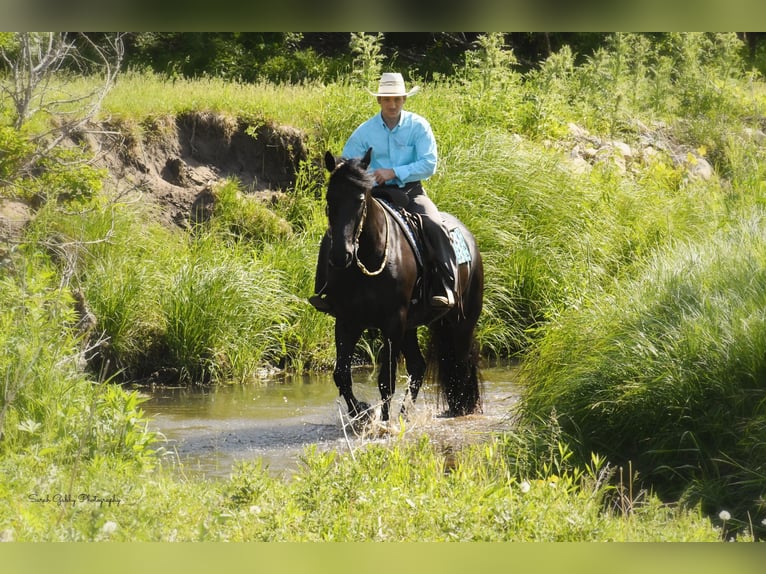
x,y
445,272
445,299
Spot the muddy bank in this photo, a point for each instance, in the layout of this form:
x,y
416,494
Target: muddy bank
x,y
174,162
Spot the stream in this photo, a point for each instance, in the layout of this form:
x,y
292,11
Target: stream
x,y
207,430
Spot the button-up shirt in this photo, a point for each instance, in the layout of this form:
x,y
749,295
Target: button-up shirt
x,y
409,149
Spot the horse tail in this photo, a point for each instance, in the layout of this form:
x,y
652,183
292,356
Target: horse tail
x,y
453,358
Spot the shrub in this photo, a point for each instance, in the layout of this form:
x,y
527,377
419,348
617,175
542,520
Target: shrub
x,y
48,407
245,216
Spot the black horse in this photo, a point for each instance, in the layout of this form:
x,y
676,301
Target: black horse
x,y
373,283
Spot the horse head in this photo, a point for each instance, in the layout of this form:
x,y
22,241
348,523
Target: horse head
x,y
347,193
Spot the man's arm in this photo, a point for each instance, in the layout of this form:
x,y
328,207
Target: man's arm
x,y
426,156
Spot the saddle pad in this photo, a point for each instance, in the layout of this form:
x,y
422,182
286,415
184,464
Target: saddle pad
x,y
460,245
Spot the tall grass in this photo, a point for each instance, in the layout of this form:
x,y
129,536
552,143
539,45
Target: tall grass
x,y
396,492
668,371
224,315
49,408
216,305
550,237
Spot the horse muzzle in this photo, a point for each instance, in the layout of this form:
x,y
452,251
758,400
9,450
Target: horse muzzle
x,y
341,258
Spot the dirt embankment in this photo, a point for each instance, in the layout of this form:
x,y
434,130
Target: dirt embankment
x,y
173,163
176,161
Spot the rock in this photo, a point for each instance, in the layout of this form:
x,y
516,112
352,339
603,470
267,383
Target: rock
x,y
580,165
577,131
14,217
623,149
756,135
649,154
699,168
609,156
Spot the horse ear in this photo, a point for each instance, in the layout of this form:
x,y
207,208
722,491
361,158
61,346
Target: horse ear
x,y
367,158
329,162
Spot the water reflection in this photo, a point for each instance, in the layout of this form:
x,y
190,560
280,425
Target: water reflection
x,y
209,429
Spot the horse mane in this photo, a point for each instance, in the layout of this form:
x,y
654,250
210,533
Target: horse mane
x,y
353,172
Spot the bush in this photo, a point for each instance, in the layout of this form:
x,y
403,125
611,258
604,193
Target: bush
x,y
246,217
48,406
223,315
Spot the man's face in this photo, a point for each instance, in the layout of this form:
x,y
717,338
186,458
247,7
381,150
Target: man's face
x,y
391,106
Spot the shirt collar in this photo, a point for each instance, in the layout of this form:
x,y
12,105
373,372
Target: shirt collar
x,y
399,123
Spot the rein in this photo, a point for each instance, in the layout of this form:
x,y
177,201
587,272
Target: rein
x,y
358,234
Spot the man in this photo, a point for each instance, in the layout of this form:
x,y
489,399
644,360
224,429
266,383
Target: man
x,y
403,154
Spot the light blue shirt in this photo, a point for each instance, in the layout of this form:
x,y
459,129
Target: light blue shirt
x,y
409,149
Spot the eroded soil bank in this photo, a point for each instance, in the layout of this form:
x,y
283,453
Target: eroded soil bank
x,y
176,161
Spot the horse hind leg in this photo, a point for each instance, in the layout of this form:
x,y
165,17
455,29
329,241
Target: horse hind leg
x,y
457,368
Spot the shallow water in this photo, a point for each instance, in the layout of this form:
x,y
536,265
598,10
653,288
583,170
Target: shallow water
x,y
209,430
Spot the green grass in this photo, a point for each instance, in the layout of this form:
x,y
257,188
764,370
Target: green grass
x,y
400,492
50,409
668,372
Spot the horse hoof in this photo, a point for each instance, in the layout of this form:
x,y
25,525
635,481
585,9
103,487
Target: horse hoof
x,y
361,412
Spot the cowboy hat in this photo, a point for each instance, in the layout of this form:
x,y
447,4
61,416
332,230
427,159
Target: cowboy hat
x,y
392,84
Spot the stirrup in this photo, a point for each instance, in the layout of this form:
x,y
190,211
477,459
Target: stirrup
x,y
443,301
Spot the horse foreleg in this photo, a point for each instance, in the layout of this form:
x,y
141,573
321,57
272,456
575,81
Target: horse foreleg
x,y
416,366
387,375
345,342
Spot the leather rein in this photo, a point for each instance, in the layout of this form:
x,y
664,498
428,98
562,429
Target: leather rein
x,y
358,234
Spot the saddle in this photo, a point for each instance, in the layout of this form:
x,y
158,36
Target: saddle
x,y
395,201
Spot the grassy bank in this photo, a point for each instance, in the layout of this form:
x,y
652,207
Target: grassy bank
x,y
625,278
399,492
667,372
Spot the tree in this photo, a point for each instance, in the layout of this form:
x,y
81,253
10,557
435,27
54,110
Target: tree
x,y
43,75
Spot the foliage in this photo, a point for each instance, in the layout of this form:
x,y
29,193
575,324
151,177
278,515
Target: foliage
x,y
195,308
367,58
45,105
489,86
49,408
253,56
246,217
223,318
15,148
233,56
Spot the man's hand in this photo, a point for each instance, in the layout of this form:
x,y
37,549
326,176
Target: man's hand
x,y
382,175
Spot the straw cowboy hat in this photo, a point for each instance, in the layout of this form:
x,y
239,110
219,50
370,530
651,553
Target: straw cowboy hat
x,y
392,84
